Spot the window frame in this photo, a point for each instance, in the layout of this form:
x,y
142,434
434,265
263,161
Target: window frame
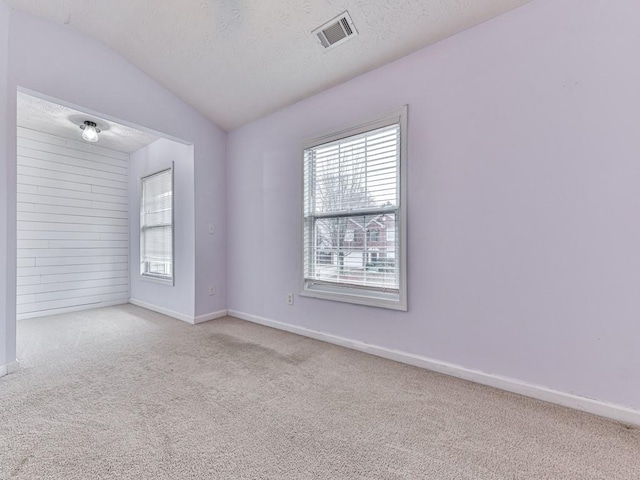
x,y
151,277
354,294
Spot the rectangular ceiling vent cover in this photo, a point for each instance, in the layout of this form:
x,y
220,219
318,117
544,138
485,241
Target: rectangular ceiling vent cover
x,y
336,31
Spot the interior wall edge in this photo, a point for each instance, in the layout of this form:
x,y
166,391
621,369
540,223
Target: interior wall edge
x,y
9,368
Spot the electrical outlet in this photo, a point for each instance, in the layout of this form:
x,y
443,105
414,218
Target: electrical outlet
x,y
290,298
212,289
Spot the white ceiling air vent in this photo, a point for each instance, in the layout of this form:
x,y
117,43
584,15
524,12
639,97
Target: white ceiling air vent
x,y
336,31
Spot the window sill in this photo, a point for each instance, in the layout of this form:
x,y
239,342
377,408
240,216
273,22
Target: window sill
x,y
163,281
355,296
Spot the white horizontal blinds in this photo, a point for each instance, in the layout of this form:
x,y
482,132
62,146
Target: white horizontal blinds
x,y
352,201
156,225
72,225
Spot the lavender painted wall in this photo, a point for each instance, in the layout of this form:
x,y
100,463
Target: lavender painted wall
x,y
7,353
524,194
153,158
63,64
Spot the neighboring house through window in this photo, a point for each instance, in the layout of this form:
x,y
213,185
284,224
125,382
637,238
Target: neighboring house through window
x,y
156,226
354,214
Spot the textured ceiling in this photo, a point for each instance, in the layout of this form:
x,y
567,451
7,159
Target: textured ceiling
x,y
44,116
237,60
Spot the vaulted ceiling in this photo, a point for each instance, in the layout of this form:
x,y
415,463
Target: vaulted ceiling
x,y
237,60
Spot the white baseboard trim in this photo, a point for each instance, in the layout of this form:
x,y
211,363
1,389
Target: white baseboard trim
x,y
180,316
210,316
162,310
9,368
596,407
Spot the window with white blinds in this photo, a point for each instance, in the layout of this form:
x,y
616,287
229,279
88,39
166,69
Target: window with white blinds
x,y
354,215
156,226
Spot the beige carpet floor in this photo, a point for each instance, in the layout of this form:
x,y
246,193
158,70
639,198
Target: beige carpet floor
x,y
124,393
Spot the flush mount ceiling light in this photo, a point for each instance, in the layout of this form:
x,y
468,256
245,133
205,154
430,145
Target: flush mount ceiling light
x,y
90,133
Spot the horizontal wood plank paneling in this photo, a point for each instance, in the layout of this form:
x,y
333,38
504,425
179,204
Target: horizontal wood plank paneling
x,y
77,211
40,253
27,171
69,218
60,163
46,235
27,226
26,262
68,286
109,191
56,184
98,197
54,271
35,149
73,243
58,261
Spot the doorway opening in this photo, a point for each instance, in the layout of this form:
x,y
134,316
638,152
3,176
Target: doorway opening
x,y
78,209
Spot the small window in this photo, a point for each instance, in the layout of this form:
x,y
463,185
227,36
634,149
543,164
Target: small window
x,y
156,226
354,215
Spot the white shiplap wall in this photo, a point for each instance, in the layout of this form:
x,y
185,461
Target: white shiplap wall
x,y
73,242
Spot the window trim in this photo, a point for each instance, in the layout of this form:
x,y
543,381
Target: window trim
x,y
162,279
355,295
